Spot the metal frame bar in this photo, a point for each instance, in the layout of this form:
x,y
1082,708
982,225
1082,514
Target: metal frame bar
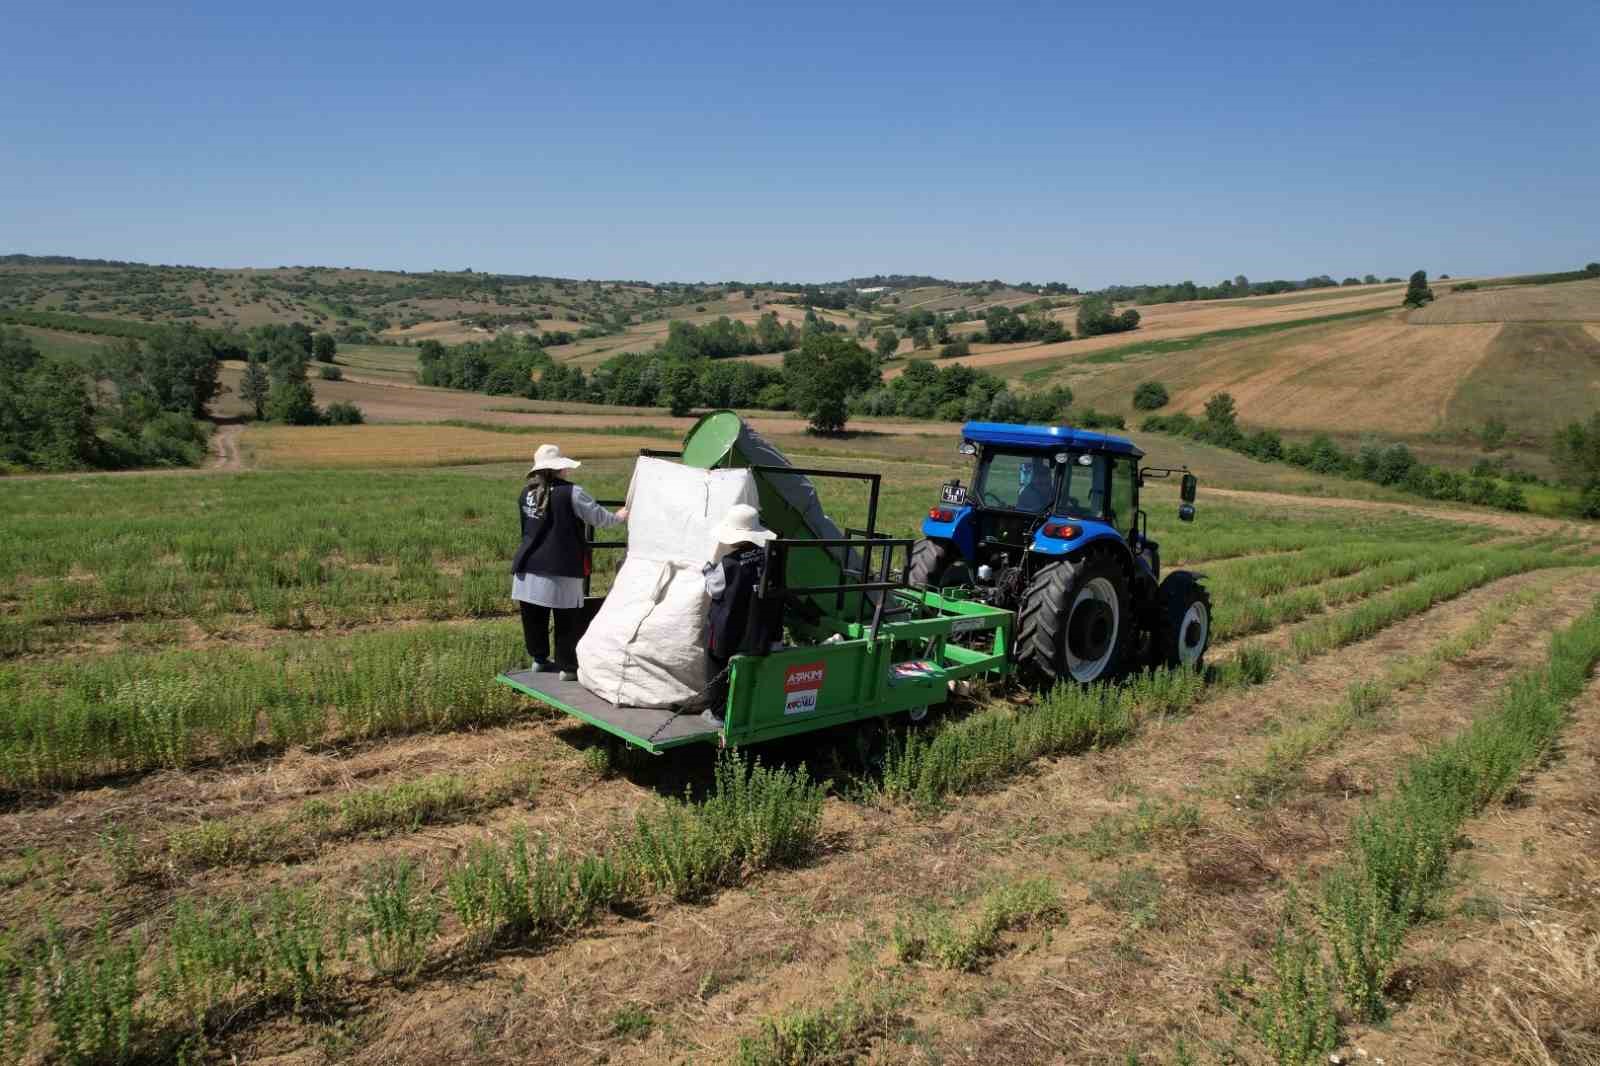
x,y
875,482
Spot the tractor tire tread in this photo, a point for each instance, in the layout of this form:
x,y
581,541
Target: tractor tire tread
x,y
1174,598
928,563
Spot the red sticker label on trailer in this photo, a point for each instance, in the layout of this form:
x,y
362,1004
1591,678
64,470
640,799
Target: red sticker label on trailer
x,y
800,687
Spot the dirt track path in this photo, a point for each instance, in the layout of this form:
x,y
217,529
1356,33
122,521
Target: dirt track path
x,y
225,448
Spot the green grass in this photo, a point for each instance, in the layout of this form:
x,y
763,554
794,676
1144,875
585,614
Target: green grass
x,y
301,550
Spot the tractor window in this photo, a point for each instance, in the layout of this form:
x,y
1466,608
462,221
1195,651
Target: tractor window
x,y
1024,482
1123,475
1085,485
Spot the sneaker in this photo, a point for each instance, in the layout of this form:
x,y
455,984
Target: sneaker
x,y
569,675
543,666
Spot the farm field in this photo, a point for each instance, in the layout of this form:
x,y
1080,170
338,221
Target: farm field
x,y
1389,374
1176,321
1569,301
260,799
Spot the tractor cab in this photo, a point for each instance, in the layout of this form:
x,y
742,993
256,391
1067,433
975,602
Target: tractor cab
x,y
1045,489
1052,512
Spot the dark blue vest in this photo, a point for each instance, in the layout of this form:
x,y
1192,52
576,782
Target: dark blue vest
x,y
552,539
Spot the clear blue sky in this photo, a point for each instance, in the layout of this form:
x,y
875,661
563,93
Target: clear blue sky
x,y
1048,141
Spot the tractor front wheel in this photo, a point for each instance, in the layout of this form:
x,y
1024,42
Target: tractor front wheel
x,y
1075,622
1185,621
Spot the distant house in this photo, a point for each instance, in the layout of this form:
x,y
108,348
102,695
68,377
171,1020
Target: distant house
x,y
875,288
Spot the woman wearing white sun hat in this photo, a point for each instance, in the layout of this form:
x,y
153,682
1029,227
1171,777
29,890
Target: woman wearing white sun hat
x,y
550,564
741,623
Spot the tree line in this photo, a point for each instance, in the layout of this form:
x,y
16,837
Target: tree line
x,y
139,404
1229,288
276,383
1391,464
143,400
827,376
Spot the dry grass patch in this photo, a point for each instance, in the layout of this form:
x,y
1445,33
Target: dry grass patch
x,y
302,447
1568,301
1535,376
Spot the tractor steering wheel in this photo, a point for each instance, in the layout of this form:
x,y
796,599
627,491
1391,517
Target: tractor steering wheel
x,y
989,497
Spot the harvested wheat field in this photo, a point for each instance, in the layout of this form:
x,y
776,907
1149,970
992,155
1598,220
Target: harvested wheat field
x,y
1375,374
1568,301
1175,321
392,401
319,447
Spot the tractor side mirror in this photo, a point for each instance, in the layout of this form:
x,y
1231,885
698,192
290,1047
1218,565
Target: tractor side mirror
x,y
1186,512
1187,491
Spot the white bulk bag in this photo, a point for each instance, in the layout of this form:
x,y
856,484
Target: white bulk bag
x,y
646,644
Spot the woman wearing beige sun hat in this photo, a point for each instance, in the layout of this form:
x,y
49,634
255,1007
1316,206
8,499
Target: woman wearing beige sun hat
x,y
548,570
741,622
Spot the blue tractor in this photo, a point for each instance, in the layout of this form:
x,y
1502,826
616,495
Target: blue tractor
x,y
1050,527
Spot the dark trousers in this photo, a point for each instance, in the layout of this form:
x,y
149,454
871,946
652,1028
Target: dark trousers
x,y
536,633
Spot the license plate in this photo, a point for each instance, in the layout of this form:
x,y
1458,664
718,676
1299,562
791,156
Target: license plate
x,y
953,494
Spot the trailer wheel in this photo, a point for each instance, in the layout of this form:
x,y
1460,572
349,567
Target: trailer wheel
x,y
1185,621
1075,622
935,564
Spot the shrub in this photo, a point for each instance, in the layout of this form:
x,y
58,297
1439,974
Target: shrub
x,y
1295,1018
329,372
343,414
955,348
92,1000
293,402
401,923
1089,418
1150,396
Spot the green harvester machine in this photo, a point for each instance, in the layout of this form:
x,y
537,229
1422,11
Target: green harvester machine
x,y
861,643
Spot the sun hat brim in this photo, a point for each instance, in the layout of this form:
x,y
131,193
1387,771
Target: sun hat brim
x,y
733,535
560,462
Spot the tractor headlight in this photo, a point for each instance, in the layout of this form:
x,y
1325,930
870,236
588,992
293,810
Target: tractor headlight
x,y
985,572
968,448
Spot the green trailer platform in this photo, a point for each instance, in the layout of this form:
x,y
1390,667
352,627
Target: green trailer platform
x,y
862,644
922,642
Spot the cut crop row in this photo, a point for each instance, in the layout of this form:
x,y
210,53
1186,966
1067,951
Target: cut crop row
x,y
66,722
993,744
101,999
1399,857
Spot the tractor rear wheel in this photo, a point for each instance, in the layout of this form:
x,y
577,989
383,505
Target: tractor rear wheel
x,y
1185,631
935,564
1075,622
